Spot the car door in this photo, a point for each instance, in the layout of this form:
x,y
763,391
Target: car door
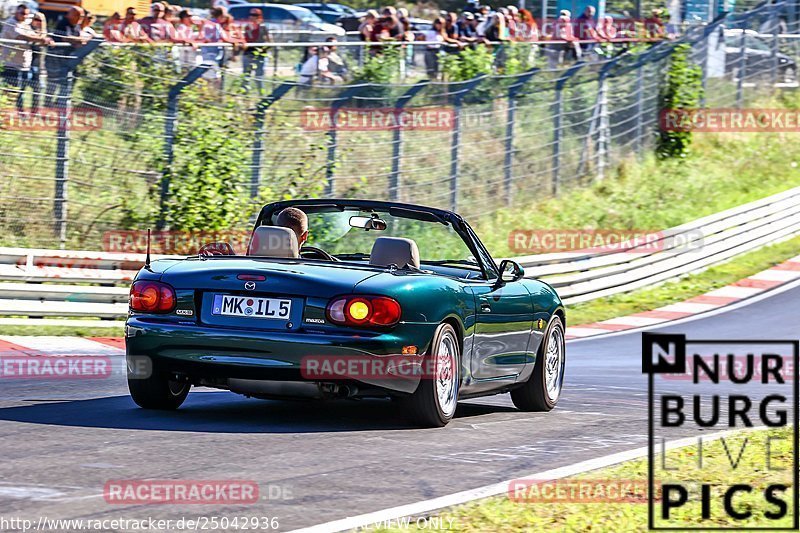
x,y
502,330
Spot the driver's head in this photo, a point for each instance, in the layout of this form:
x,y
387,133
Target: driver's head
x,y
295,220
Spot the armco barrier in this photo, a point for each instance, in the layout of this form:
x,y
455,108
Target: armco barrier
x,y
59,283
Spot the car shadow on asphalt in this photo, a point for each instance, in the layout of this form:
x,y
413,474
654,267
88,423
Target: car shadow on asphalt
x,y
222,412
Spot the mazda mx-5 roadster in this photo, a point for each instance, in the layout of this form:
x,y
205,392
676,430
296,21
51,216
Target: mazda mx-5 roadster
x,y
377,299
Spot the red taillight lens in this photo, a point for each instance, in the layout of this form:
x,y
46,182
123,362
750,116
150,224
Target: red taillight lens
x,y
152,297
364,311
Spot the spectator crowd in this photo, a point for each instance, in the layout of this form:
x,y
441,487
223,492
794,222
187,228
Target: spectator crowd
x,y
478,25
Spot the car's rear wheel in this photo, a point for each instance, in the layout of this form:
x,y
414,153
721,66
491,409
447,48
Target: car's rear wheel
x,y
543,388
435,400
155,390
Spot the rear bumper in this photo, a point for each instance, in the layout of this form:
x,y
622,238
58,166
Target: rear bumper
x,y
212,353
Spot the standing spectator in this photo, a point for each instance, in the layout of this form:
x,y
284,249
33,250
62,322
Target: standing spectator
x,y
386,29
317,66
67,30
132,31
527,28
586,29
156,26
405,24
607,31
654,25
34,81
368,25
187,32
86,25
336,63
17,60
436,36
213,32
451,31
568,48
467,27
112,31
256,31
512,16
496,27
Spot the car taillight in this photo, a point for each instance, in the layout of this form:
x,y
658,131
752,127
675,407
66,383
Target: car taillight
x,y
152,297
364,311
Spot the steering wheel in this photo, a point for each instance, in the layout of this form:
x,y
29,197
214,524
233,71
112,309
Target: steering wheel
x,y
318,252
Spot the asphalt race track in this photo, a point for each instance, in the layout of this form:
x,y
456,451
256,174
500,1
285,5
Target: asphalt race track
x,y
62,440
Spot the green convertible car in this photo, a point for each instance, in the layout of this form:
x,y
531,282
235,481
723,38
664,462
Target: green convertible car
x,y
376,299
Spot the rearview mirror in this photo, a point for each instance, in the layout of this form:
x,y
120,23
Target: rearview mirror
x,y
510,271
368,223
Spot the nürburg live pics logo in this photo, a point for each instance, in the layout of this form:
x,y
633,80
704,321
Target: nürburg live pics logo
x,y
731,407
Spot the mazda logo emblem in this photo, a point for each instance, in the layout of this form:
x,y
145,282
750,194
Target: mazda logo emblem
x,y
250,285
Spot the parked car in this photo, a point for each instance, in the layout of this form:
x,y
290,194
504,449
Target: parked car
x,y
758,58
383,300
284,20
330,13
8,7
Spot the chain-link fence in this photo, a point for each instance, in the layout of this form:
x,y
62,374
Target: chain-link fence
x,y
131,137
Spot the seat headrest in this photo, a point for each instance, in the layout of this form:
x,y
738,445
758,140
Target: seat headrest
x,y
394,251
273,241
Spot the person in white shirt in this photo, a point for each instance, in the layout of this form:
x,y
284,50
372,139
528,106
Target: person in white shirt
x,y
317,66
16,59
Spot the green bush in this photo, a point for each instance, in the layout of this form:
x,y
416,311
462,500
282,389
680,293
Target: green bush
x,y
682,89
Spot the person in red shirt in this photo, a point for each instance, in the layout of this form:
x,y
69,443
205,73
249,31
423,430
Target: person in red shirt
x,y
255,31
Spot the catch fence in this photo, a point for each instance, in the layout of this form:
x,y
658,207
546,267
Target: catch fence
x,y
156,139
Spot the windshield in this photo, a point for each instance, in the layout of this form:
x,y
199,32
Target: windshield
x,y
304,15
337,233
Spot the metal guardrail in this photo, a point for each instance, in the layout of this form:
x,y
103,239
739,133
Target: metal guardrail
x,y
687,248
58,283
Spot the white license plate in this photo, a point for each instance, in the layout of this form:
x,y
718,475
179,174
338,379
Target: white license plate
x,y
251,307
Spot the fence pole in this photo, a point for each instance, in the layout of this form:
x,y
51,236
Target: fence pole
x,y
742,69
775,23
639,107
455,143
513,93
63,136
397,140
330,177
603,135
258,142
558,106
169,133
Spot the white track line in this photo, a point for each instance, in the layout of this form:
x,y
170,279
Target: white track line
x,y
426,506
768,293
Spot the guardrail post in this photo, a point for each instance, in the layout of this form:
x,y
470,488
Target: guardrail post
x,y
63,136
330,177
169,133
455,143
558,107
513,92
397,140
258,141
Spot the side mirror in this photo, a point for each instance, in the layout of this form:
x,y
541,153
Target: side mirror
x,y
510,271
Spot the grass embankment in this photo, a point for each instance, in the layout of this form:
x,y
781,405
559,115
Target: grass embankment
x,y
723,171
554,514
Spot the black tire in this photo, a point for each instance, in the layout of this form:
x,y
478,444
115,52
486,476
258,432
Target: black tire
x,y
533,395
155,390
423,406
